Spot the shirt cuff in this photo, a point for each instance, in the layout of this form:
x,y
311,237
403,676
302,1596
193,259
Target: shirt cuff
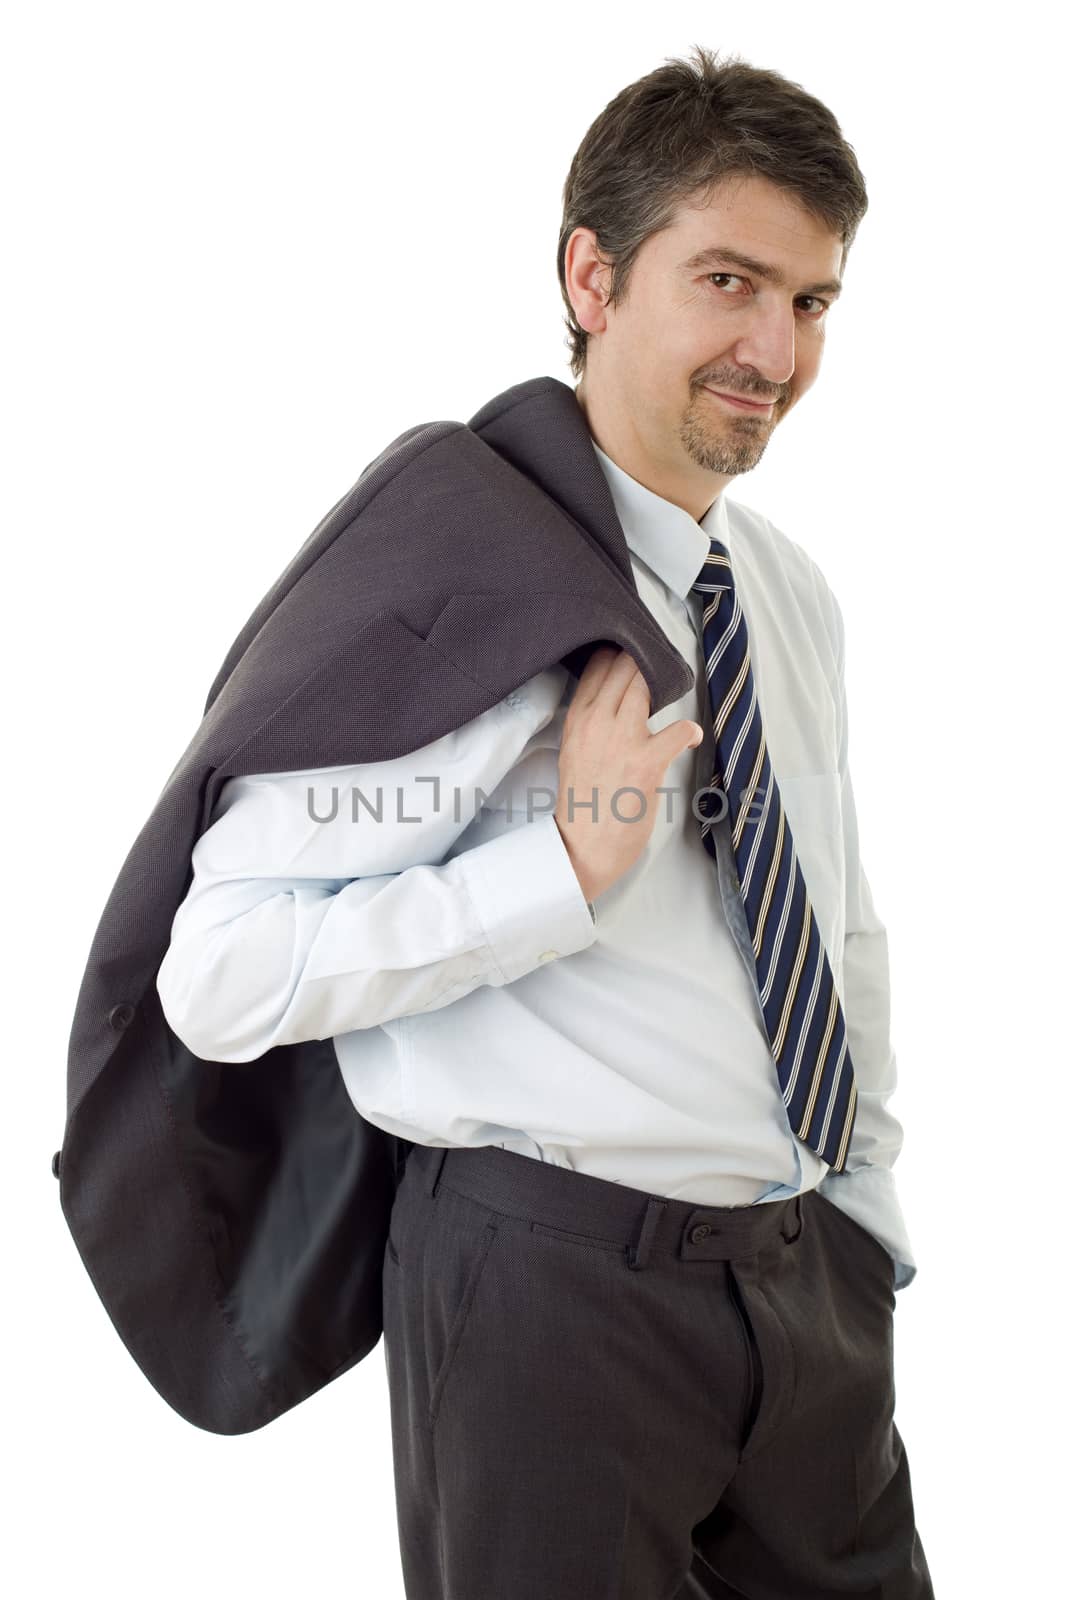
x,y
527,897
869,1196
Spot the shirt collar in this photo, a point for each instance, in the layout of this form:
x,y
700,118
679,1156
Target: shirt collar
x,y
667,539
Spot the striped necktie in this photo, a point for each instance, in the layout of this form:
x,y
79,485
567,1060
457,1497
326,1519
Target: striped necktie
x,y
804,1020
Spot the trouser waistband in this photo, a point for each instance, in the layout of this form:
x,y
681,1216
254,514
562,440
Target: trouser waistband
x,y
517,1185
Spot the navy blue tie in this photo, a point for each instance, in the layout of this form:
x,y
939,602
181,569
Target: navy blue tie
x,y
805,1024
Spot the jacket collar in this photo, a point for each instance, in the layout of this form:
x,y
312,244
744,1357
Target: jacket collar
x,y
582,559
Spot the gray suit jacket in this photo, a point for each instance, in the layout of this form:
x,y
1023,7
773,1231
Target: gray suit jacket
x,y
465,559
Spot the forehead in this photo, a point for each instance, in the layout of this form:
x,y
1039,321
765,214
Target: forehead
x,y
753,216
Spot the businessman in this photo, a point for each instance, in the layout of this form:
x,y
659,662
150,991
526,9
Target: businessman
x,y
618,979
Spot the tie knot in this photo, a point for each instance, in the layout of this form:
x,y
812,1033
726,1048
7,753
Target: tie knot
x,y
716,575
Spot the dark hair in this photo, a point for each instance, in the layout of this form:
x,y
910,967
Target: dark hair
x,y
678,133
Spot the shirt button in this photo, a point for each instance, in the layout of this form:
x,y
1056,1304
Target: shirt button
x,y
548,955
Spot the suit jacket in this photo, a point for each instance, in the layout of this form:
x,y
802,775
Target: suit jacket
x,y
233,1217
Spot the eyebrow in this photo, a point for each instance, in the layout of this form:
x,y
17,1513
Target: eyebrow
x,y
759,269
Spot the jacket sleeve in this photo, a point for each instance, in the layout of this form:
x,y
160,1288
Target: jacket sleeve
x,y
302,923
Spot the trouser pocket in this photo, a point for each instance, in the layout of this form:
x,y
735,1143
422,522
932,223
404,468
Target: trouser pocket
x,y
457,1247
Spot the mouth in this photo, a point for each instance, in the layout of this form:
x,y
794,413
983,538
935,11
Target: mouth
x,y
759,408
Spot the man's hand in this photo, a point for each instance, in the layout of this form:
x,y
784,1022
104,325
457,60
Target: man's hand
x,y
607,747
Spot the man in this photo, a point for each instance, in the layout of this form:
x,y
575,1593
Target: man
x,y
633,1348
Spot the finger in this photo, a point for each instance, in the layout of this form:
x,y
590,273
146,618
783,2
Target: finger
x,y
635,701
605,680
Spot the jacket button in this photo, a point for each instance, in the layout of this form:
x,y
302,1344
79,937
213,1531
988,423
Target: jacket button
x,y
121,1016
548,955
55,1164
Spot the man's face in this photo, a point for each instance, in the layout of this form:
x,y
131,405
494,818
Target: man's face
x,y
687,326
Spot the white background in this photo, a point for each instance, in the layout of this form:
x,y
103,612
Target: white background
x,y
247,245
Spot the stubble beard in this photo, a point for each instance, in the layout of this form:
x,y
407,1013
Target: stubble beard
x,y
730,445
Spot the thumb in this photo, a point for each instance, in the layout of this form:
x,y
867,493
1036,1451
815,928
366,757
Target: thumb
x,y
678,736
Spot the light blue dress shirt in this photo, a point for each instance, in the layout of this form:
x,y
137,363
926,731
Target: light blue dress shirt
x,y
425,914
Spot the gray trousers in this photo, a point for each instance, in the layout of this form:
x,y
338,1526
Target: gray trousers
x,y
599,1394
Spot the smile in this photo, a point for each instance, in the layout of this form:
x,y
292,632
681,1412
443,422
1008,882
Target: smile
x,y
761,408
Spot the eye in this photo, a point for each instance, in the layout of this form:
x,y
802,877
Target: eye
x,y
725,275
814,299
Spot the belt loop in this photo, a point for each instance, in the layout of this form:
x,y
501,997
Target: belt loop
x,y
434,1175
637,1256
798,1213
